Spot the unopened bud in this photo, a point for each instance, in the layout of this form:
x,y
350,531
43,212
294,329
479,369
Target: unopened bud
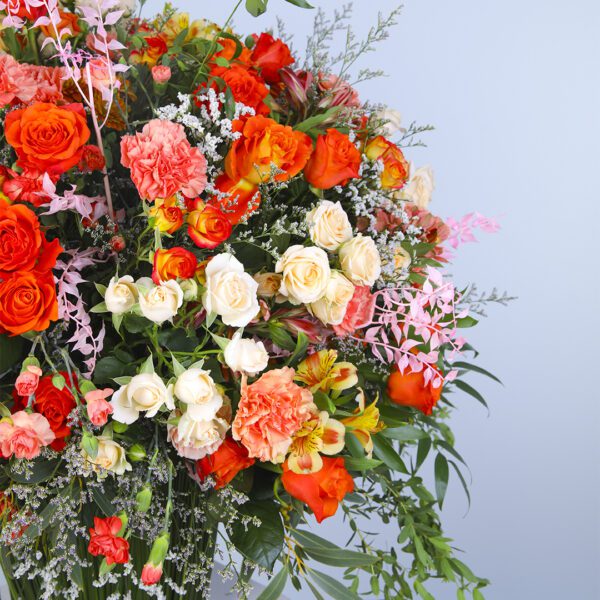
x,y
136,453
143,499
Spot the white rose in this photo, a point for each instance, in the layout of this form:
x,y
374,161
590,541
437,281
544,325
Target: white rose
x,y
328,225
196,388
360,260
246,355
392,122
145,392
331,308
121,295
110,457
195,439
128,6
420,186
189,287
268,284
305,274
402,259
230,292
159,303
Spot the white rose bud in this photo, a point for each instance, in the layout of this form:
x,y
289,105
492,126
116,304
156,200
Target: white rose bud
x,y
419,188
145,392
246,355
127,6
268,284
121,295
305,273
189,288
195,439
159,303
111,457
196,388
328,225
230,292
331,308
360,260
392,122
402,259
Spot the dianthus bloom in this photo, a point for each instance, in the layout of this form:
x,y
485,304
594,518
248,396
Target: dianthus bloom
x,y
270,411
358,313
23,435
104,541
163,162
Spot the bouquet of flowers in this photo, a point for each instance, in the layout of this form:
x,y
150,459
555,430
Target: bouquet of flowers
x,y
223,313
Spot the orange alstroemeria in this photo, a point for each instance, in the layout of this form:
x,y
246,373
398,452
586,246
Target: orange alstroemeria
x,y
320,371
364,422
319,435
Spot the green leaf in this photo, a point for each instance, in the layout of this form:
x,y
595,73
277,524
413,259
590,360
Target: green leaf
x,y
441,477
462,481
99,308
332,586
178,368
109,368
468,389
422,591
407,433
324,402
12,350
256,7
423,449
275,587
361,464
89,444
307,538
470,367
210,318
300,350
103,498
46,514
147,366
338,557
178,340
221,341
300,3
262,544
58,381
38,470
466,322
281,337
386,452
101,289
316,120
117,321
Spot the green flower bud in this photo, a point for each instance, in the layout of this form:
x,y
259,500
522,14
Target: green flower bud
x,y
159,549
143,499
136,453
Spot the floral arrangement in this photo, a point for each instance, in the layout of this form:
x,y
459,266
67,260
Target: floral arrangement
x,y
223,313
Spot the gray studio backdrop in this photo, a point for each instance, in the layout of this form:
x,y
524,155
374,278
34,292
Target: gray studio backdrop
x,y
512,89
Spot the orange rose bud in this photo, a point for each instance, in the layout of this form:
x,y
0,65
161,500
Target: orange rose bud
x,y
27,302
410,389
238,199
173,263
229,459
208,226
47,137
167,215
321,491
334,161
395,166
265,143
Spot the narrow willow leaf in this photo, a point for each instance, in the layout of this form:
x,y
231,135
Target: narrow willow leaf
x,y
306,538
465,387
475,369
442,473
300,3
332,586
386,452
422,451
408,433
338,557
275,587
361,464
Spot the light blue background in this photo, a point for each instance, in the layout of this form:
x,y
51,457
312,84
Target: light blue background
x,y
512,88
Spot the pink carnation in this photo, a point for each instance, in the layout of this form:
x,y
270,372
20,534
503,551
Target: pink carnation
x,y
27,381
98,408
163,162
359,312
271,410
22,82
24,434
161,73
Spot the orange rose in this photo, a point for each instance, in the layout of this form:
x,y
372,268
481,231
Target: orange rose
x,y
271,55
334,161
208,226
410,389
265,143
68,21
173,263
167,215
23,246
47,137
149,55
27,302
395,166
237,199
245,85
229,49
321,491
224,464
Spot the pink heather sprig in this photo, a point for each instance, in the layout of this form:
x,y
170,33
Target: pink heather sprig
x,y
72,308
462,231
430,312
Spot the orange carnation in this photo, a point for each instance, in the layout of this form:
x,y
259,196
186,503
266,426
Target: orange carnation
x,y
334,161
265,143
27,302
321,491
167,215
410,389
229,459
173,263
47,137
395,166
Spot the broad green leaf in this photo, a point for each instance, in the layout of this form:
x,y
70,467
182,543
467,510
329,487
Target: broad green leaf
x,y
386,452
38,470
281,337
407,433
466,322
12,350
465,387
109,368
276,586
300,350
470,367
333,587
338,557
361,464
263,544
46,515
441,477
